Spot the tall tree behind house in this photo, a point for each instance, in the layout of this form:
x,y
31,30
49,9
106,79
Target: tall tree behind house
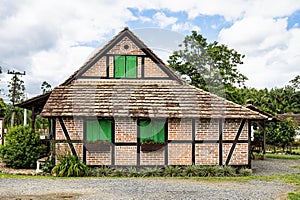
x,y
16,92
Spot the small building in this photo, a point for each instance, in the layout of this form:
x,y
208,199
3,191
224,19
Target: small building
x,y
125,107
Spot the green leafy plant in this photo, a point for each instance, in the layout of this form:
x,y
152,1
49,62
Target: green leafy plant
x,y
22,148
100,171
47,167
172,171
245,172
151,172
150,141
70,166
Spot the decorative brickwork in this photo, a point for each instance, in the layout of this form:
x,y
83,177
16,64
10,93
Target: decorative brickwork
x,y
153,158
126,46
207,129
207,154
125,130
180,129
125,155
74,127
180,154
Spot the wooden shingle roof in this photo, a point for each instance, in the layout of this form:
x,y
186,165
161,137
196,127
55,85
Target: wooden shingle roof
x,y
155,100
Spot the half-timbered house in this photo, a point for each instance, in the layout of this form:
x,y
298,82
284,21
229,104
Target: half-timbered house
x,y
125,107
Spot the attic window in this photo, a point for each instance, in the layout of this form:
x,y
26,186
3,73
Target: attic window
x,y
125,67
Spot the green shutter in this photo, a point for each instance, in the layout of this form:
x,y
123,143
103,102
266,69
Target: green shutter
x,y
154,130
92,131
131,66
119,66
106,130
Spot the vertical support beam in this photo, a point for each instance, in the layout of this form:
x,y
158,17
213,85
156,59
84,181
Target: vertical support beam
x,y
264,139
53,128
166,140
32,117
249,143
138,143
193,141
107,67
221,141
113,147
84,138
143,67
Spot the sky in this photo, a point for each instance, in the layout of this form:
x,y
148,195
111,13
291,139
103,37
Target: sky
x,y
52,39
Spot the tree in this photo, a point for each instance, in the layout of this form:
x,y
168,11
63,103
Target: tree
x,y
282,133
3,108
46,87
296,82
15,93
210,66
22,148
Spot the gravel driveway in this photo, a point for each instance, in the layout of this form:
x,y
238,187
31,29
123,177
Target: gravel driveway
x,y
153,188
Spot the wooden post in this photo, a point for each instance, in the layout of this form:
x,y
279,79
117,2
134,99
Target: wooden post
x,y
32,117
264,140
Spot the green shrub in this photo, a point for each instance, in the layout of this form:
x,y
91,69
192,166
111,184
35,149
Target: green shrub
x,y
22,148
191,171
151,172
70,166
100,171
47,167
228,171
245,172
172,171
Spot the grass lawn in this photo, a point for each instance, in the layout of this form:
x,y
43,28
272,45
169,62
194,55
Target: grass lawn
x,y
282,156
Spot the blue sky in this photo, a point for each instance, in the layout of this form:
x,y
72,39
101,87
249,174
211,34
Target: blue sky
x,y
52,39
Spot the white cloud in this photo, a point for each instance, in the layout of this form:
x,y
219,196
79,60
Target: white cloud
x,y
187,26
272,51
162,20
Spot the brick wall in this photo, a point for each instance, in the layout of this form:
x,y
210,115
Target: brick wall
x,y
153,70
98,69
98,158
180,154
207,154
153,158
231,127
125,155
180,129
125,130
207,129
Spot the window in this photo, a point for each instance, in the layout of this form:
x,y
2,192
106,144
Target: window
x,y
153,129
100,129
125,66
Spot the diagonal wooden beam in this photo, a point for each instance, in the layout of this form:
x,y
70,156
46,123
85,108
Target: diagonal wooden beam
x,y
62,124
235,141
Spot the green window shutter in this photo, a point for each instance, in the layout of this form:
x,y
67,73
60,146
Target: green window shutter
x,y
92,131
154,130
131,66
119,66
106,130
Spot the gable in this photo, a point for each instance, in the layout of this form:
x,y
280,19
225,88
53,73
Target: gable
x,y
124,57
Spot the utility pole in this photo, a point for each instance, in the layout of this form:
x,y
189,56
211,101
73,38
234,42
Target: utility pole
x,y
14,94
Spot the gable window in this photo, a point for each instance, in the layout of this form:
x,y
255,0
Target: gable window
x,y
99,130
152,129
125,67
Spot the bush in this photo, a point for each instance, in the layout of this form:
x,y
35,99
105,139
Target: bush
x,y
245,172
70,166
22,148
